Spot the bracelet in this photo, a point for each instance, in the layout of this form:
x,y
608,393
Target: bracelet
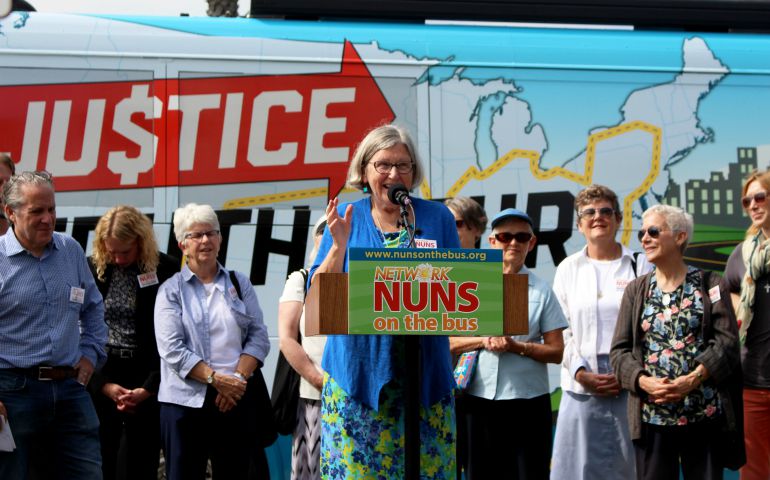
x,y
699,375
525,352
239,376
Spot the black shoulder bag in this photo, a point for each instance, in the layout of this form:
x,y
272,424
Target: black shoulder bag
x,y
285,395
260,413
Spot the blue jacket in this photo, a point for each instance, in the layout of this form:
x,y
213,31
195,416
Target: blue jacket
x,y
361,364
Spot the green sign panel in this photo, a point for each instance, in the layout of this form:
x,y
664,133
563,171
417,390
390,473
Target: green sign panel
x,y
400,291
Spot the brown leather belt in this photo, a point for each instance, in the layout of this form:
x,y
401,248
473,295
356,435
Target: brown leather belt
x,y
46,372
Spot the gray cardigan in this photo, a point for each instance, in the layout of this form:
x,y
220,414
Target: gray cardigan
x,y
721,357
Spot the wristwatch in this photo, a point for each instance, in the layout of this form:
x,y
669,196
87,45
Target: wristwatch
x,y
210,378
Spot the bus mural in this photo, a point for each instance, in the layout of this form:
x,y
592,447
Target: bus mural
x,y
259,118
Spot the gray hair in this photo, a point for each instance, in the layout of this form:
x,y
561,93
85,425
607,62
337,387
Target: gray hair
x,y
676,219
190,214
12,193
469,210
382,138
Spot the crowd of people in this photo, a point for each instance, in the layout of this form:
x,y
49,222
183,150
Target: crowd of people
x,y
664,367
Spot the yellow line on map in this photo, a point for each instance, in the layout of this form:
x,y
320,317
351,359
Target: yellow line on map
x,y
473,173
586,178
267,199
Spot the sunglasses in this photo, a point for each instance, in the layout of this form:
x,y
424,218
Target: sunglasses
x,y
653,232
759,198
506,237
591,212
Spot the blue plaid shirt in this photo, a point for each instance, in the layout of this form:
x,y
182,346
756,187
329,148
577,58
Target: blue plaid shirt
x,y
41,321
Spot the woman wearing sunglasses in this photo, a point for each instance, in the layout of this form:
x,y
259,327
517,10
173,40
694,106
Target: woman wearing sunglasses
x,y
470,220
748,275
676,351
508,402
592,439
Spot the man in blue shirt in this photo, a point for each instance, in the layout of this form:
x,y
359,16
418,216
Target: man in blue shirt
x,y
52,336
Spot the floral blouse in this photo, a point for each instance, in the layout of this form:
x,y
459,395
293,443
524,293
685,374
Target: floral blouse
x,y
672,340
120,307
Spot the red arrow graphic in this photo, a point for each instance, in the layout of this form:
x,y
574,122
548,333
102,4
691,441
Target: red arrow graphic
x,y
194,131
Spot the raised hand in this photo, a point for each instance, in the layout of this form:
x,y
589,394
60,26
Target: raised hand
x,y
339,227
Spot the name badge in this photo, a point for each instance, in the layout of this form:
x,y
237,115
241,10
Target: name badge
x,y
714,294
233,293
77,295
621,284
425,243
147,279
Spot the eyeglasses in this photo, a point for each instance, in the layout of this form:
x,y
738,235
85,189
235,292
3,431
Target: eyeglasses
x,y
653,232
507,237
459,223
591,212
386,167
198,236
759,198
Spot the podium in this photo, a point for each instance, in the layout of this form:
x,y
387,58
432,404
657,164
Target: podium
x,y
326,313
326,305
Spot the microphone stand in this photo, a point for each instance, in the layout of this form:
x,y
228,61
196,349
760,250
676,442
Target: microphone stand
x,y
412,385
410,229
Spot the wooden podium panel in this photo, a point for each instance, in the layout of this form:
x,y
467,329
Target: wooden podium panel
x,y
515,304
326,305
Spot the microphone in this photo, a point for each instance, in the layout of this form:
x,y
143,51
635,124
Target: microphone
x,y
399,195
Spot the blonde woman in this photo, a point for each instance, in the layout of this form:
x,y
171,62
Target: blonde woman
x,y
128,270
748,274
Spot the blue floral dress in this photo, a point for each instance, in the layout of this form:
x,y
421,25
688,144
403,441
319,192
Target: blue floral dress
x,y
672,341
358,442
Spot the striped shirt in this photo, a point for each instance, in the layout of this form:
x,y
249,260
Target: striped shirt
x,y
51,312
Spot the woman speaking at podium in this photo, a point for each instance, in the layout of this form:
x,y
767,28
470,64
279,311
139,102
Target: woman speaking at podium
x,y
362,408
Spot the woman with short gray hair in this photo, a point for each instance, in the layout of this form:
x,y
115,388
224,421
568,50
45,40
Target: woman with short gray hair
x,y
677,220
676,351
185,217
211,339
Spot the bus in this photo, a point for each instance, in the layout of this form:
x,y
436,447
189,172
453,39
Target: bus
x,y
260,117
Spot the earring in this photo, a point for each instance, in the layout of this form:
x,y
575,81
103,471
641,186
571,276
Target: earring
x,y
366,188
